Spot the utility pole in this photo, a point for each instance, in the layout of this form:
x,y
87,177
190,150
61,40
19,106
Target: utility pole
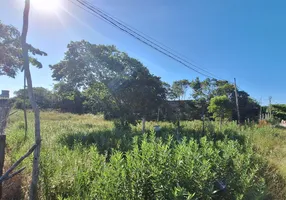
x,y
260,110
236,100
270,107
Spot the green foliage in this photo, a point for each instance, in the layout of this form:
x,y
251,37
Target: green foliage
x,y
11,59
279,111
86,63
44,98
203,91
68,98
114,83
220,106
85,157
179,89
10,51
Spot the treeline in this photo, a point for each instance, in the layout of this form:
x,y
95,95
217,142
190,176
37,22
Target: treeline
x,y
101,79
87,101
277,111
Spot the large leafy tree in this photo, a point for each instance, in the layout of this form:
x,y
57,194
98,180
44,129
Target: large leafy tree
x,y
11,57
111,79
86,63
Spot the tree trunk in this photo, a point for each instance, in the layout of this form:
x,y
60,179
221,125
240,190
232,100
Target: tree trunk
x,y
24,107
143,124
35,173
203,118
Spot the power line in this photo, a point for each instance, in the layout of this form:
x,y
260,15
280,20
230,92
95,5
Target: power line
x,y
146,37
147,40
137,36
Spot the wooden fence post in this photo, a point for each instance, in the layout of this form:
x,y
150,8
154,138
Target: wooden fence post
x,y
2,157
4,113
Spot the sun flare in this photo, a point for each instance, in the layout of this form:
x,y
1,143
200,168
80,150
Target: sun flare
x,y
46,5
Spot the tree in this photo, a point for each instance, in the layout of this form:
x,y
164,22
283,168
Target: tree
x,y
131,90
204,90
86,63
180,88
43,97
249,108
14,57
224,88
68,98
202,93
170,95
99,100
279,111
11,57
132,100
10,50
220,106
143,93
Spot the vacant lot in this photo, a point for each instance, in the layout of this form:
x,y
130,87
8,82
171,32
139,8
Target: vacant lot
x,y
86,157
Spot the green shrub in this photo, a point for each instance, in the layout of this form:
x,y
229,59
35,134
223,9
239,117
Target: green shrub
x,y
86,157
153,169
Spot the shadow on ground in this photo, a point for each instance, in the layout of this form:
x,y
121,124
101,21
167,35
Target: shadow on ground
x,y
107,141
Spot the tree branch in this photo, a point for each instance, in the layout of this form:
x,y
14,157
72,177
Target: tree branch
x,y
10,115
6,175
14,174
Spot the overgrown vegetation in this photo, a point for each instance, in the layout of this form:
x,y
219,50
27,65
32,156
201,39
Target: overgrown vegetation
x,y
86,157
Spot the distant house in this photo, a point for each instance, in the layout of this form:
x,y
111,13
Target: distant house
x,y
5,94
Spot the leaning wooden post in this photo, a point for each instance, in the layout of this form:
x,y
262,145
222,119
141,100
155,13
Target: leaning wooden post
x,y
33,195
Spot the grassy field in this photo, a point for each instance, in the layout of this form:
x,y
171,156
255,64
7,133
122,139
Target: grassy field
x,y
85,157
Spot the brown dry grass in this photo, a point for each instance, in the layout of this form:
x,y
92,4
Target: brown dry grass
x,y
12,188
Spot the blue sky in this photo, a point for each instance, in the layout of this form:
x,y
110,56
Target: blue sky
x,y
242,39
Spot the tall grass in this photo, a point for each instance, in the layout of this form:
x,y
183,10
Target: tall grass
x,y
86,157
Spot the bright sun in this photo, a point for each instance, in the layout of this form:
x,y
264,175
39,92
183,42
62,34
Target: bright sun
x,y
46,5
